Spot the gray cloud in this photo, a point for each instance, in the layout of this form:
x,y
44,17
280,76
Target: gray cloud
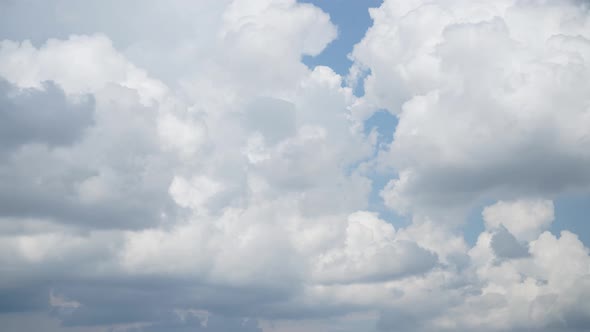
x,y
92,180
43,116
29,297
275,119
505,245
193,323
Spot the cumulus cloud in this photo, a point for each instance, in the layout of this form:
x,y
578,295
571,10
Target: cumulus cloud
x,y
371,252
526,219
505,245
177,167
43,116
489,104
96,64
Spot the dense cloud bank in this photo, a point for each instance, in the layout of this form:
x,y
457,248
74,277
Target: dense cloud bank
x,y
174,166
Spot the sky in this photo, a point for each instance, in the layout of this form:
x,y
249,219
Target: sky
x,y
294,166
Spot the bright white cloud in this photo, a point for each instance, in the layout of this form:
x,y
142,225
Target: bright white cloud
x,y
371,252
489,104
526,219
81,64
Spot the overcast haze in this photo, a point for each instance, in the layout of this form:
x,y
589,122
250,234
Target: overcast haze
x,y
280,166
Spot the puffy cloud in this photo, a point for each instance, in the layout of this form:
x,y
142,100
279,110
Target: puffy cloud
x,y
489,109
43,116
489,104
189,172
526,219
371,252
96,64
180,171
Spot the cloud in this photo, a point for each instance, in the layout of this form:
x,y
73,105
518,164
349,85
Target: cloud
x,y
97,64
489,105
526,219
505,245
372,253
84,182
177,167
164,189
486,111
191,322
42,116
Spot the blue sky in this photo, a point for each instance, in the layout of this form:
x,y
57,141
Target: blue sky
x,y
352,18
571,213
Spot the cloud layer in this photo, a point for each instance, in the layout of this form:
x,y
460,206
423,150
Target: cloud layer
x,y
176,167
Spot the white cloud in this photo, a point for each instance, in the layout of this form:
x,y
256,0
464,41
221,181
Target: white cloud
x,y
211,171
371,252
526,219
81,64
490,106
194,193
